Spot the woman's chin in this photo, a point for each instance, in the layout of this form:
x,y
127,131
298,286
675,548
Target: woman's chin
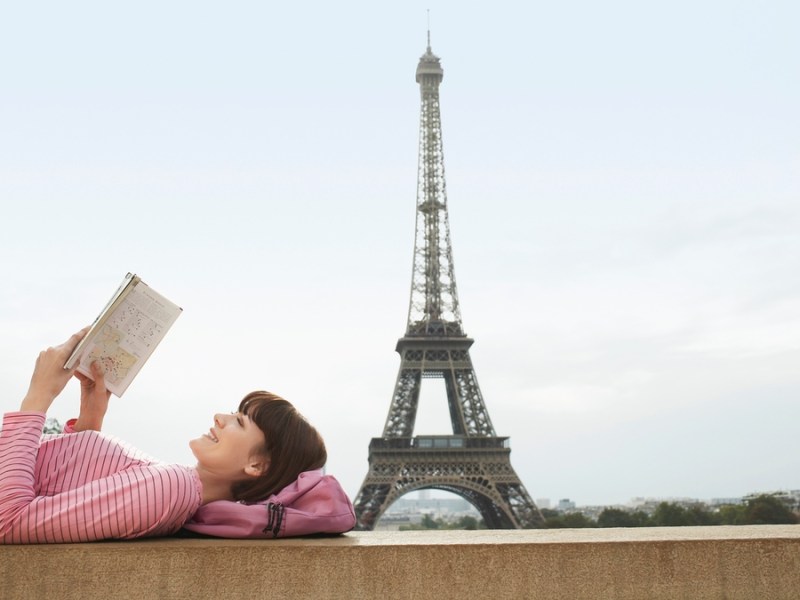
x,y
193,444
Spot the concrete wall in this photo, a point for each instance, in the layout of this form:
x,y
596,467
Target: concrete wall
x,y
754,562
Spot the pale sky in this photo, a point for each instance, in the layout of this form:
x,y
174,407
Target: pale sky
x,y
624,192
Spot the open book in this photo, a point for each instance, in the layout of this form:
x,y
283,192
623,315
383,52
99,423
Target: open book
x,y
125,333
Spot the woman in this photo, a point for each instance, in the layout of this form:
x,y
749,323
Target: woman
x,y
84,486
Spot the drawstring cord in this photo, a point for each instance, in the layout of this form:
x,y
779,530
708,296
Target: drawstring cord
x,y
275,510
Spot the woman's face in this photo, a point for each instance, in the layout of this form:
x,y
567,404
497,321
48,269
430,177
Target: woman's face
x,y
230,446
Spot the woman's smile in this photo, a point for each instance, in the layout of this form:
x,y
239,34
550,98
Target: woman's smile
x,y
236,440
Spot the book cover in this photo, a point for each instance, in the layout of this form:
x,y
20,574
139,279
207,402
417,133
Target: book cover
x,y
125,333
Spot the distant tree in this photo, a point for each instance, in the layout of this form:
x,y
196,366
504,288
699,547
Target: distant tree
x,y
553,519
428,522
555,522
573,520
700,515
467,522
670,514
768,509
578,519
52,425
616,517
642,519
732,514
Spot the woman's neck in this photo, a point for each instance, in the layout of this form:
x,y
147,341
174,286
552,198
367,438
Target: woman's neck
x,y
214,488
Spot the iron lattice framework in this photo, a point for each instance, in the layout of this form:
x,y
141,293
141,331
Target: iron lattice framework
x,y
472,462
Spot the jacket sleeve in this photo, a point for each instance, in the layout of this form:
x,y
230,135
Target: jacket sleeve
x,y
19,442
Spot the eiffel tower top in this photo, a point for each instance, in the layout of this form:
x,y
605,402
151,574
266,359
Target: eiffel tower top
x,y
433,309
429,64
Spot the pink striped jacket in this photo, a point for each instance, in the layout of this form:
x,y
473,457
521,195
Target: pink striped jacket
x,y
85,486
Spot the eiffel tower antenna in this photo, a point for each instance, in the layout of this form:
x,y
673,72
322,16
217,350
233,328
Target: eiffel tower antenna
x,y
472,461
429,30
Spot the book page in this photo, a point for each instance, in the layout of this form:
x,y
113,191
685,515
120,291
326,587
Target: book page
x,y
122,291
128,336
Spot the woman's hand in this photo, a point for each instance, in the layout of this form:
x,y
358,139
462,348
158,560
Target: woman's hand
x,y
94,400
49,375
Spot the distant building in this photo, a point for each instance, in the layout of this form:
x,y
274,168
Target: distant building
x,y
566,504
790,497
717,502
409,511
649,505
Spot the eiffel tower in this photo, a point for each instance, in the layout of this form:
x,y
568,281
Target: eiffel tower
x,y
473,462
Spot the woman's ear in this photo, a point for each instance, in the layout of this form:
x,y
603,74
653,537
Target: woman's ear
x,y
257,467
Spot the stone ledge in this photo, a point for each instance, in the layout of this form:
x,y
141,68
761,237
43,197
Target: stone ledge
x,y
758,562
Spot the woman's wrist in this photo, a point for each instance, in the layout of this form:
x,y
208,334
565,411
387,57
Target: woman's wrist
x,y
36,402
88,423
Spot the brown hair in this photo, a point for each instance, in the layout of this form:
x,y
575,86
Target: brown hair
x,y
292,445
